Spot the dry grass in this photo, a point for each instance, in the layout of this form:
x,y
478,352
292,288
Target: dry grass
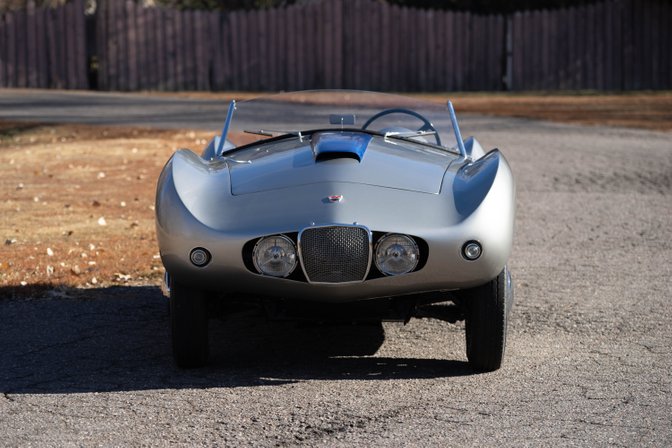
x,y
77,201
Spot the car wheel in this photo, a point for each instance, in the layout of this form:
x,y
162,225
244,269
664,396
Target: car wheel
x,y
486,309
189,326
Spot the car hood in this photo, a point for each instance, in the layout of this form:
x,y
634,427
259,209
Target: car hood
x,y
338,157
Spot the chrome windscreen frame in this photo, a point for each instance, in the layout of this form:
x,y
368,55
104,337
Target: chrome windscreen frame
x,y
368,263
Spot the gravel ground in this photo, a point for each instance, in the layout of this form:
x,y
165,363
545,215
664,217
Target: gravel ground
x,y
587,363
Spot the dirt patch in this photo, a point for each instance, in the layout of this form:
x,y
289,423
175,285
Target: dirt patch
x,y
78,203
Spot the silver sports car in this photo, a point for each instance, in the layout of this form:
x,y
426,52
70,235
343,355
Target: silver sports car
x,y
338,205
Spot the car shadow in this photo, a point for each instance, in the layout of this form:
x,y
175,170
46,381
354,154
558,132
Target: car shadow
x,y
117,339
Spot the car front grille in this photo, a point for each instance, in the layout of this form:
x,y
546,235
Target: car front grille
x,y
335,254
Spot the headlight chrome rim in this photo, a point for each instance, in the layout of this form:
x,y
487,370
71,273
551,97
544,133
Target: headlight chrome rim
x,y
406,245
282,243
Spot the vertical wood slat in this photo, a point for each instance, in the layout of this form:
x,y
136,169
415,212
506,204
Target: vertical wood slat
x,y
132,48
232,37
462,51
447,53
160,36
216,46
571,51
144,62
586,48
189,50
401,78
339,28
227,51
54,59
204,52
252,43
544,69
9,60
563,48
246,62
69,46
31,41
384,46
291,65
172,67
114,46
307,67
81,40
516,53
649,44
122,54
150,48
277,49
20,51
536,38
101,44
668,44
62,47
3,54
327,45
316,54
178,42
534,60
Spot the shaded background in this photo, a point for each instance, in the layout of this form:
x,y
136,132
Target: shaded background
x,y
401,45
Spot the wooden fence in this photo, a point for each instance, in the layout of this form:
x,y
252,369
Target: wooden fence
x,y
365,44
45,48
616,45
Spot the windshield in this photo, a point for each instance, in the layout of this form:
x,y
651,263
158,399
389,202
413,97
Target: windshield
x,y
301,113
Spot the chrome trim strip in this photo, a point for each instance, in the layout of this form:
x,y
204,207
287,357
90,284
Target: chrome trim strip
x,y
368,264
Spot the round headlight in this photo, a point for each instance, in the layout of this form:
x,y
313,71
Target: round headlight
x,y
275,256
396,254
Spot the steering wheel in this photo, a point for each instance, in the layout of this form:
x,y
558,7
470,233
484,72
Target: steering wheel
x,y
426,127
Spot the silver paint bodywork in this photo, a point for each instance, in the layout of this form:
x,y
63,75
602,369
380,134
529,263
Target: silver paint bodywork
x,y
444,196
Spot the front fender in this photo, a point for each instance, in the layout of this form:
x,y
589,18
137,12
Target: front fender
x,y
200,185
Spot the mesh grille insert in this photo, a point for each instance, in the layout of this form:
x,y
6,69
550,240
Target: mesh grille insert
x,y
335,254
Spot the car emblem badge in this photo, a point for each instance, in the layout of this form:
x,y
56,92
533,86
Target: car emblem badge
x,y
335,198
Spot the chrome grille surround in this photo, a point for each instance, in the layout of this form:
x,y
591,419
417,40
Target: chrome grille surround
x,y
333,254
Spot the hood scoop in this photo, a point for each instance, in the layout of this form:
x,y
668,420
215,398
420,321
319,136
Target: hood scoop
x,y
339,145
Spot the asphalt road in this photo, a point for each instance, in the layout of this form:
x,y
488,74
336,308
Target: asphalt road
x,y
588,359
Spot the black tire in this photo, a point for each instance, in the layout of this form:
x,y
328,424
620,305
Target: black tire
x,y
189,326
486,309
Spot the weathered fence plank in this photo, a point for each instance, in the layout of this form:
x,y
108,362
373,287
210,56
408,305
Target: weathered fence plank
x,y
31,41
3,54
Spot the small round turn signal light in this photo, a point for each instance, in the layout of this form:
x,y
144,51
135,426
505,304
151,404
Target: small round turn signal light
x,y
471,250
200,257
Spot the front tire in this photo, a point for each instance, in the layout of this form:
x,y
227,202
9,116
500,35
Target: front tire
x,y
486,309
189,326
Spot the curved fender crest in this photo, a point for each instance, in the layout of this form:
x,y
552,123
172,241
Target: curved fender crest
x,y
200,184
473,181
